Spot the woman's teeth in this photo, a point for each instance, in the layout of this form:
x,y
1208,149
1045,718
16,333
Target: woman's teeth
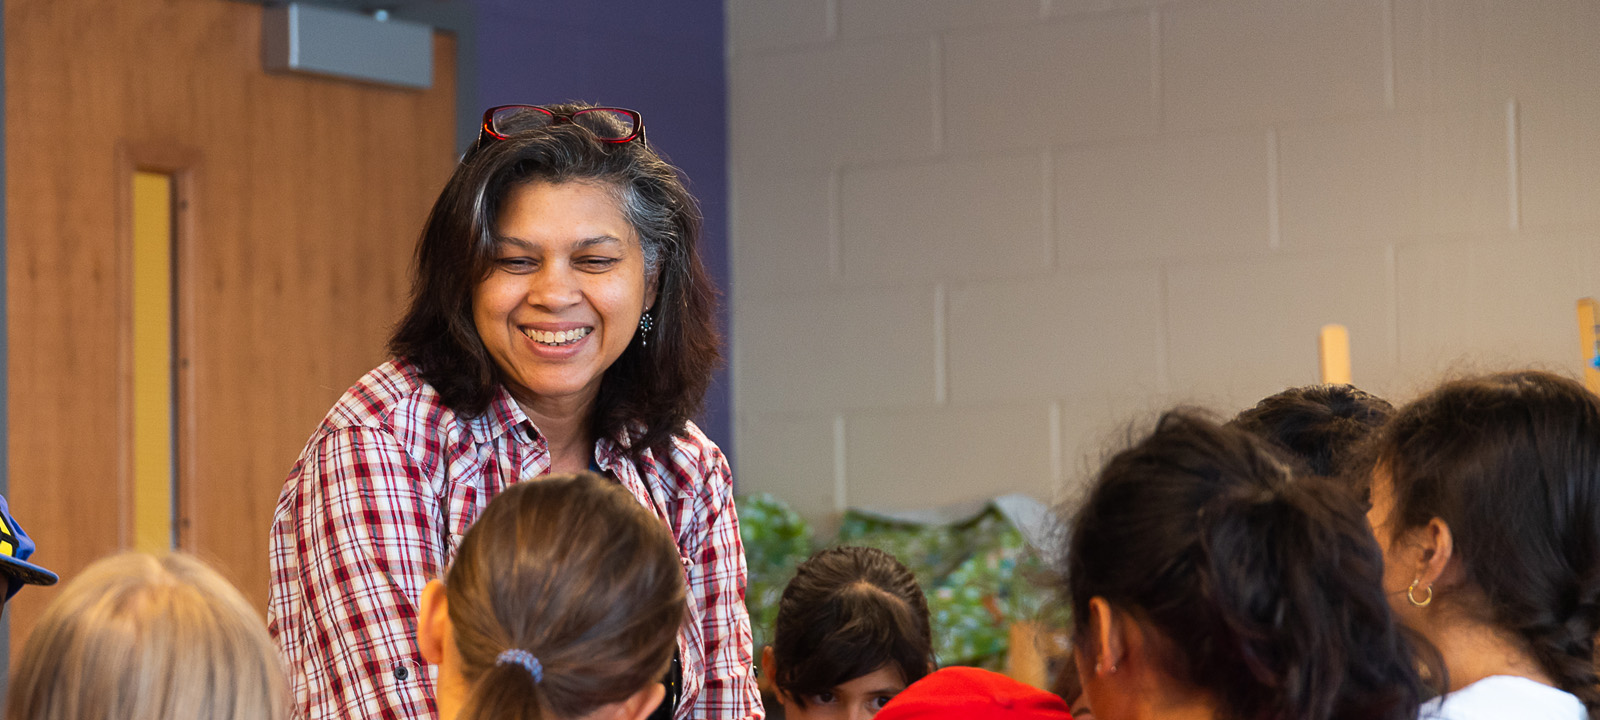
x,y
556,339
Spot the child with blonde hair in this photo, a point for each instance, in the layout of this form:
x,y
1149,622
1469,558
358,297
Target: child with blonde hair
x,y
135,637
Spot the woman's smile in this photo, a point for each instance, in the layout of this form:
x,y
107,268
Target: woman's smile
x,y
558,338
557,345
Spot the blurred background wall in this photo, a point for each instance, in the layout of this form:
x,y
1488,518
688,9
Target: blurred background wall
x,y
972,239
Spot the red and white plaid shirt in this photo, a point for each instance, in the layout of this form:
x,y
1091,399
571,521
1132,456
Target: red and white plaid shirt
x,y
379,501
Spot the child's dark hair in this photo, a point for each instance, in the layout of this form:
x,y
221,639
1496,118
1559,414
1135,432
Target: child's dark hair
x,y
1511,463
1264,588
1323,426
847,612
573,571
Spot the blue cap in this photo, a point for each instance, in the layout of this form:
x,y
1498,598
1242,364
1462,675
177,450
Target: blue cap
x,y
15,548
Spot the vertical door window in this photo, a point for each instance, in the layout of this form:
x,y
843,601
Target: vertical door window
x,y
154,456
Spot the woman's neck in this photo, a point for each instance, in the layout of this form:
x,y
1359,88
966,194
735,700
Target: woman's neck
x,y
565,427
1191,708
1475,650
1140,692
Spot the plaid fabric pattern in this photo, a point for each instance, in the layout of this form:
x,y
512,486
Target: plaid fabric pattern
x,y
380,499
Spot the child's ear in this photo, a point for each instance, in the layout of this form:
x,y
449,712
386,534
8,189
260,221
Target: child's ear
x,y
433,622
1109,636
769,670
1439,549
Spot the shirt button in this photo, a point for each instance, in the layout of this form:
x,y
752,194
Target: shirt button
x,y
401,673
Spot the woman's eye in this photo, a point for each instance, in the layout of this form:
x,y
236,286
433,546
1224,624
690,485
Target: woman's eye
x,y
823,698
596,263
515,264
878,702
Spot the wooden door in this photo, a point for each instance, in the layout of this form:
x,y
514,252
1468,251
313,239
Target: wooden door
x,y
297,204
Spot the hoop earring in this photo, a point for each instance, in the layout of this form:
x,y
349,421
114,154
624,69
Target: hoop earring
x,y
646,323
1411,594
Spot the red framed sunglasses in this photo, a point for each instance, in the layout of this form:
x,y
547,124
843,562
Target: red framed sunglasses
x,y
608,124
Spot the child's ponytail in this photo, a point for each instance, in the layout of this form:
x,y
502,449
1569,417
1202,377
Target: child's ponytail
x,y
566,595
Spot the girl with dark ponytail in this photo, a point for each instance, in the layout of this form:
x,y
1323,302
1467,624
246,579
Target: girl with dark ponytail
x,y
1486,500
563,601
1207,581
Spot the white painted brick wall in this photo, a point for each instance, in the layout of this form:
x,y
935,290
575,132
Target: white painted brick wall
x,y
974,239
949,451
1252,63
1064,335
832,349
1097,225
1244,329
1350,182
1039,83
837,104
1486,299
867,18
895,221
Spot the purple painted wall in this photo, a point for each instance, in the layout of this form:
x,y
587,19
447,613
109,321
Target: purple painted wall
x,y
664,59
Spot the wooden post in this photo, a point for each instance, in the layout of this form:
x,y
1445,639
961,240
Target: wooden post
x,y
1591,348
1036,654
1333,350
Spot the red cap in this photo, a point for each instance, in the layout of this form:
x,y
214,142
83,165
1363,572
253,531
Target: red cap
x,y
971,694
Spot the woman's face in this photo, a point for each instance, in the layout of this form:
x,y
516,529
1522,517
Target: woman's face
x,y
857,699
1399,560
565,293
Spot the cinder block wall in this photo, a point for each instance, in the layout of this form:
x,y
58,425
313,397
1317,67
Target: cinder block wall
x,y
973,238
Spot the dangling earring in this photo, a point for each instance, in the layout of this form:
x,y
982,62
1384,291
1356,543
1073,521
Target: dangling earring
x,y
646,323
1411,594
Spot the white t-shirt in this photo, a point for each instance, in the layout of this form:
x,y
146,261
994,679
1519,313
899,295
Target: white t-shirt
x,y
1503,696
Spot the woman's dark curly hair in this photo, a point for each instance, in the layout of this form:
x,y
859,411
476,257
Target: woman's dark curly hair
x,y
648,394
847,612
1325,427
1263,587
1511,463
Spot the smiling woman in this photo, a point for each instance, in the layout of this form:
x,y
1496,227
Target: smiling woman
x,y
565,294
560,321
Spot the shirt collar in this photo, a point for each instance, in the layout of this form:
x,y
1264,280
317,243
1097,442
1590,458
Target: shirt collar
x,y
610,454
504,413
500,417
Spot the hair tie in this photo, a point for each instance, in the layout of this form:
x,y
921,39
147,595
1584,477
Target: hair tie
x,y
525,659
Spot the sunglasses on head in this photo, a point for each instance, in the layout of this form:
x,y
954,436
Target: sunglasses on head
x,y
607,124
